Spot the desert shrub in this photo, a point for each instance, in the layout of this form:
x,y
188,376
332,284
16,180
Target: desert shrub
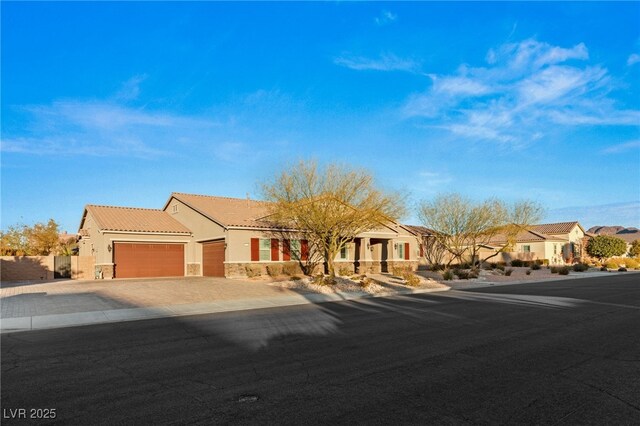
x,y
554,269
493,265
508,272
274,270
295,278
622,269
464,265
500,267
291,268
447,275
253,270
604,269
411,279
536,266
611,264
437,267
365,282
517,263
344,271
631,263
324,280
545,261
461,274
634,251
563,271
528,272
580,267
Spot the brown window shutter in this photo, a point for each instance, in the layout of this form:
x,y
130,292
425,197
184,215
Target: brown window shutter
x,y
406,251
275,248
255,249
304,250
421,250
286,250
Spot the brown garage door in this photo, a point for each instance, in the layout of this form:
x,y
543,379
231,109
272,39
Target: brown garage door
x,y
213,259
136,260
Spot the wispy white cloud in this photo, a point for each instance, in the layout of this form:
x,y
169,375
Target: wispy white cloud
x,y
117,127
130,89
386,62
633,59
102,128
526,88
385,18
623,147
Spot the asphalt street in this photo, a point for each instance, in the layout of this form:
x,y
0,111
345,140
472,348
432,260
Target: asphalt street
x,y
565,352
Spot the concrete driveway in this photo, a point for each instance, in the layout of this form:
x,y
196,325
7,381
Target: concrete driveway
x,y
65,296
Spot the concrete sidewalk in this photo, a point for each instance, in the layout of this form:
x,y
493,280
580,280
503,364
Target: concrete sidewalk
x,y
40,322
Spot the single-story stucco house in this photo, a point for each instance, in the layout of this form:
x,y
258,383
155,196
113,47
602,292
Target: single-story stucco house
x,y
201,235
557,243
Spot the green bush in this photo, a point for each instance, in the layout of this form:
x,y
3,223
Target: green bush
x,y
536,266
274,270
500,267
563,271
580,267
447,275
603,246
253,270
508,272
634,251
554,269
517,263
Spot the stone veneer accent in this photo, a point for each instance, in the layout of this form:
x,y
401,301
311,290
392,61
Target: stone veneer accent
x,y
106,269
239,270
193,269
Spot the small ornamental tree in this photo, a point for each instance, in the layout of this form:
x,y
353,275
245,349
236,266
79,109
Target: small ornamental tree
x,y
329,206
634,251
605,246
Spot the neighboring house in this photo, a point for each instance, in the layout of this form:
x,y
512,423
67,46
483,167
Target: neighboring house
x,y
195,235
557,243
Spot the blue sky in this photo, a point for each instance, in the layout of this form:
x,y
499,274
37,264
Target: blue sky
x,y
122,103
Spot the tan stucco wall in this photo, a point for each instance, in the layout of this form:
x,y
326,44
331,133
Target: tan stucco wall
x,y
201,227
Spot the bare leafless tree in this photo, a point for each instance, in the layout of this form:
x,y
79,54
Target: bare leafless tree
x,y
329,205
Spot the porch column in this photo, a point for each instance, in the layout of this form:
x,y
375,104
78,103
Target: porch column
x,y
366,250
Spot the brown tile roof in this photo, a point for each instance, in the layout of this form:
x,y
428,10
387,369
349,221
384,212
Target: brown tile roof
x,y
554,228
525,236
420,230
228,211
113,218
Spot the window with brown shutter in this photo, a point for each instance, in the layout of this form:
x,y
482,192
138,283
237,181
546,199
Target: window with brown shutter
x,y
286,250
406,251
304,249
275,248
255,249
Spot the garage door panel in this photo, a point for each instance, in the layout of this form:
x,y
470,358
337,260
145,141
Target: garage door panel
x,y
138,260
213,259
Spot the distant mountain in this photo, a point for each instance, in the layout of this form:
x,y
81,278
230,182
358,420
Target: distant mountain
x,y
611,230
628,234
